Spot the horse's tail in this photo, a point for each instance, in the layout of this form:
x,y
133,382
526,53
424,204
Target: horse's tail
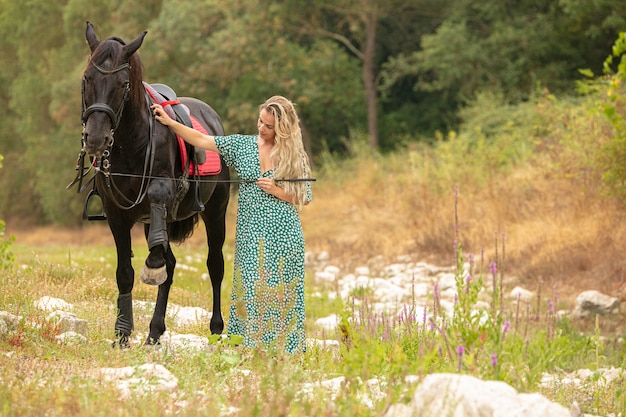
x,y
180,230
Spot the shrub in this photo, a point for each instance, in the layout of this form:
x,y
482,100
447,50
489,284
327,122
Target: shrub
x,y
6,257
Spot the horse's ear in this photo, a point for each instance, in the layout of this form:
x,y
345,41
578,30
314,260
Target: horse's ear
x,y
92,39
132,47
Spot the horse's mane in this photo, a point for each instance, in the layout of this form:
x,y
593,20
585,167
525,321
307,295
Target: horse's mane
x,y
111,49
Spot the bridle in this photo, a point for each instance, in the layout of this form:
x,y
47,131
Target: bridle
x,y
103,165
115,116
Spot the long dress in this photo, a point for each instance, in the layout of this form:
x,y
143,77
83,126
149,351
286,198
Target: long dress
x,y
267,303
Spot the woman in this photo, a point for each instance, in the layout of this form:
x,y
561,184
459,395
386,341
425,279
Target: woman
x,y
267,305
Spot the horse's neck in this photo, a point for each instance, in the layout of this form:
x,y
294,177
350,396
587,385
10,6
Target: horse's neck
x,y
133,133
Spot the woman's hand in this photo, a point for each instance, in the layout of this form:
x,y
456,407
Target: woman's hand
x,y
160,115
268,185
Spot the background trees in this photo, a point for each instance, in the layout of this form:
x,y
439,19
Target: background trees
x,y
398,70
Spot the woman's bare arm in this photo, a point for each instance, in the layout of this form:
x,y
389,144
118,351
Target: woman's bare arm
x,y
190,135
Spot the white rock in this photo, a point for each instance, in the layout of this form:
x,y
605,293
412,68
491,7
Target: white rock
x,y
454,395
326,345
68,322
142,379
324,276
593,302
446,281
329,323
362,270
331,386
323,257
11,320
70,338
521,293
184,341
50,304
3,327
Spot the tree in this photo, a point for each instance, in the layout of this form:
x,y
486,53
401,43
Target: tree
x,y
372,31
510,48
611,88
354,25
234,56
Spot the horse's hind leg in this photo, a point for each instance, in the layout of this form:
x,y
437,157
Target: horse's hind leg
x,y
214,218
157,324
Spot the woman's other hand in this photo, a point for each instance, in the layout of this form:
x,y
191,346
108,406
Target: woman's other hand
x,y
160,115
267,184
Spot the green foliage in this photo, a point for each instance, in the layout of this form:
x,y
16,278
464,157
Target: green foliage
x,y
613,151
482,336
431,58
6,257
495,138
491,47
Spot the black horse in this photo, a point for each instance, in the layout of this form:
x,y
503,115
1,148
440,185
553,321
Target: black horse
x,y
140,178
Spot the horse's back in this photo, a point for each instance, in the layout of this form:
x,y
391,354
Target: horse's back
x,y
205,114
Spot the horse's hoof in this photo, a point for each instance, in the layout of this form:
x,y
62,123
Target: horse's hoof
x,y
123,342
153,276
152,343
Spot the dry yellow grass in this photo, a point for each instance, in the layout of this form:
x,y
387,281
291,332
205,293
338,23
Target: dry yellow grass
x,y
553,230
375,206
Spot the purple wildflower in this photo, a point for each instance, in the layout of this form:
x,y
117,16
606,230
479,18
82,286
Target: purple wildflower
x,y
506,326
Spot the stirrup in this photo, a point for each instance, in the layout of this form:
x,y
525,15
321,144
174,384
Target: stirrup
x,y
197,205
89,216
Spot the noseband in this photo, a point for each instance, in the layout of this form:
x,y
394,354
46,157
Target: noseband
x,y
104,164
115,116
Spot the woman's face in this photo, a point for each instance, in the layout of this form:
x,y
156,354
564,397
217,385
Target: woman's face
x,y
265,125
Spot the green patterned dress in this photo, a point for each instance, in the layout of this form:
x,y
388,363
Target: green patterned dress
x,y
267,304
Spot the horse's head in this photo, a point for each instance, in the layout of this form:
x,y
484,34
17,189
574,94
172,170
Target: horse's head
x,y
111,79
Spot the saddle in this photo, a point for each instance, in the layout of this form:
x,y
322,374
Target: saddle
x,y
202,162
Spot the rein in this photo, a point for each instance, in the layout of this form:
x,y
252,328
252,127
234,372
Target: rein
x,y
104,164
147,170
231,181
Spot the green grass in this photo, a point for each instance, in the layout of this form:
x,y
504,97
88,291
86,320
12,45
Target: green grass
x,y
42,377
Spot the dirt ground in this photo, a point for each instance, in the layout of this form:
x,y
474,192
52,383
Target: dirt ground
x,y
96,233
99,234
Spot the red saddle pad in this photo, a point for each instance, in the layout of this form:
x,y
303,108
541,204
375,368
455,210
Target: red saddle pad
x,y
212,165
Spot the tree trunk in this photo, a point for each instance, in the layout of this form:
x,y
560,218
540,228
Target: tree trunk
x,y
369,78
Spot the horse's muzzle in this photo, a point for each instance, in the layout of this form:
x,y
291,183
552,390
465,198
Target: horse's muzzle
x,y
95,144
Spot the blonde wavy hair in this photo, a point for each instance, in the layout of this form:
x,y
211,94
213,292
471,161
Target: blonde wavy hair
x,y
288,155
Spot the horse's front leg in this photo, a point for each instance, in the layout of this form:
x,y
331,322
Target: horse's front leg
x,y
125,276
159,265
157,324
154,271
